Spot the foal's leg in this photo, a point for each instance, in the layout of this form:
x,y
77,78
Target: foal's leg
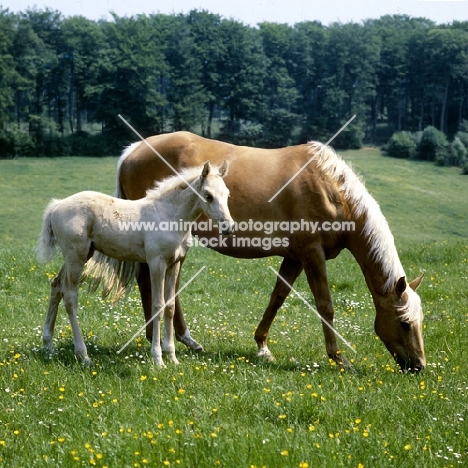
x,y
181,330
54,301
290,269
168,345
158,272
316,272
70,298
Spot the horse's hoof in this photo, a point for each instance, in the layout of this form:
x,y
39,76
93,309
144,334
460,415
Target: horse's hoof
x,y
188,341
266,355
198,348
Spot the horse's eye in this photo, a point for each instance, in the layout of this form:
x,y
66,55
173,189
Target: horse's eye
x,y
405,325
209,197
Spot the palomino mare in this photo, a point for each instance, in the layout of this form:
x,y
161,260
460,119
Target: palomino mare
x,y
91,221
327,190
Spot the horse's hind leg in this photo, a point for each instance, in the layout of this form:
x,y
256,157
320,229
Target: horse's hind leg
x,y
144,286
168,345
181,330
54,301
290,269
70,298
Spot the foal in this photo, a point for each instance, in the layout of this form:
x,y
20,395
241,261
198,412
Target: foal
x,y
91,221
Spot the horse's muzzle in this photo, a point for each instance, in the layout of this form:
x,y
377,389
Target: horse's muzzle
x,y
226,227
411,366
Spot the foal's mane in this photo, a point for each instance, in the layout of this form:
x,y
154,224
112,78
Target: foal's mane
x,y
376,230
175,183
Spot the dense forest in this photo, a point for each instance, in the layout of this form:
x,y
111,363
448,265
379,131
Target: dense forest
x,y
65,80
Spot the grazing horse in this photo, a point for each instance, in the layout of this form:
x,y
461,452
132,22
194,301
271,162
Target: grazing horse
x,y
326,190
131,231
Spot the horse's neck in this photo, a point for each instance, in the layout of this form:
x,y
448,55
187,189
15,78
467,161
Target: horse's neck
x,y
182,204
377,258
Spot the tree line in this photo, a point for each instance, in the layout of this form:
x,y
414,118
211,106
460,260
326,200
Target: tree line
x,y
65,80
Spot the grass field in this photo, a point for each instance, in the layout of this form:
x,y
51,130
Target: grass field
x,y
224,407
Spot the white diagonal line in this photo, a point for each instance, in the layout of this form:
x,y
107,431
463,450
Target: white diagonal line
x,y
313,309
160,310
158,154
310,160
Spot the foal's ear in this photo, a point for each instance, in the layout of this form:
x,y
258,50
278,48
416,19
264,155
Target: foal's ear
x,y
400,286
416,282
206,169
223,170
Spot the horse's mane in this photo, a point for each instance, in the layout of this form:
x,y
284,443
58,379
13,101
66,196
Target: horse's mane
x,y
174,183
376,230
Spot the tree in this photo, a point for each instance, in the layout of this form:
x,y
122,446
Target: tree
x,y
308,69
85,56
280,93
8,74
131,75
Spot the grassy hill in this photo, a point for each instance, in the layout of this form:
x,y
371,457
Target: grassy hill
x,y
421,201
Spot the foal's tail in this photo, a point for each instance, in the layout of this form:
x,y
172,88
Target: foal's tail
x,y
47,245
115,277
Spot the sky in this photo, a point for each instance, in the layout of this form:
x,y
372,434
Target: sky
x,y
253,12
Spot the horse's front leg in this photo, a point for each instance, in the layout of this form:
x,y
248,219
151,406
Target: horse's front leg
x,y
157,273
168,345
290,269
316,271
54,301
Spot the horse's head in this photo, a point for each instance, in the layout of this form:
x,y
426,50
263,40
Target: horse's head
x,y
398,324
216,194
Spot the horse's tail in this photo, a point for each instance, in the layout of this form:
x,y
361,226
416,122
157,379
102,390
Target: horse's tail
x,y
47,245
115,276
119,192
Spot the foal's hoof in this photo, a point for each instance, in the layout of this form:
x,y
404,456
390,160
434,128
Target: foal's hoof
x,y
86,361
158,361
49,350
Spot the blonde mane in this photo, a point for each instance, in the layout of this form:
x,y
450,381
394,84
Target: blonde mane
x,y
174,183
376,230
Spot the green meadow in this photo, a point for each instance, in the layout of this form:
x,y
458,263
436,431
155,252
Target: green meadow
x,y
224,407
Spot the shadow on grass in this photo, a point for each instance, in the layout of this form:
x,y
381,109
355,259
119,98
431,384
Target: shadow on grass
x,y
107,360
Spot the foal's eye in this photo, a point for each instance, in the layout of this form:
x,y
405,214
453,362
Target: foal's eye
x,y
405,325
209,197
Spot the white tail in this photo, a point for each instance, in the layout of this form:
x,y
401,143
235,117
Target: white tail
x,y
47,245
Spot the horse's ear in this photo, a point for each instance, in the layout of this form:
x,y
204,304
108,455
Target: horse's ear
x,y
400,286
416,282
206,169
223,170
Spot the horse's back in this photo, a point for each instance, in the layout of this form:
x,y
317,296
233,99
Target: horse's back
x,y
179,150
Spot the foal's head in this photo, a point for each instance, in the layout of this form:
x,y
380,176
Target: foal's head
x,y
398,323
216,194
